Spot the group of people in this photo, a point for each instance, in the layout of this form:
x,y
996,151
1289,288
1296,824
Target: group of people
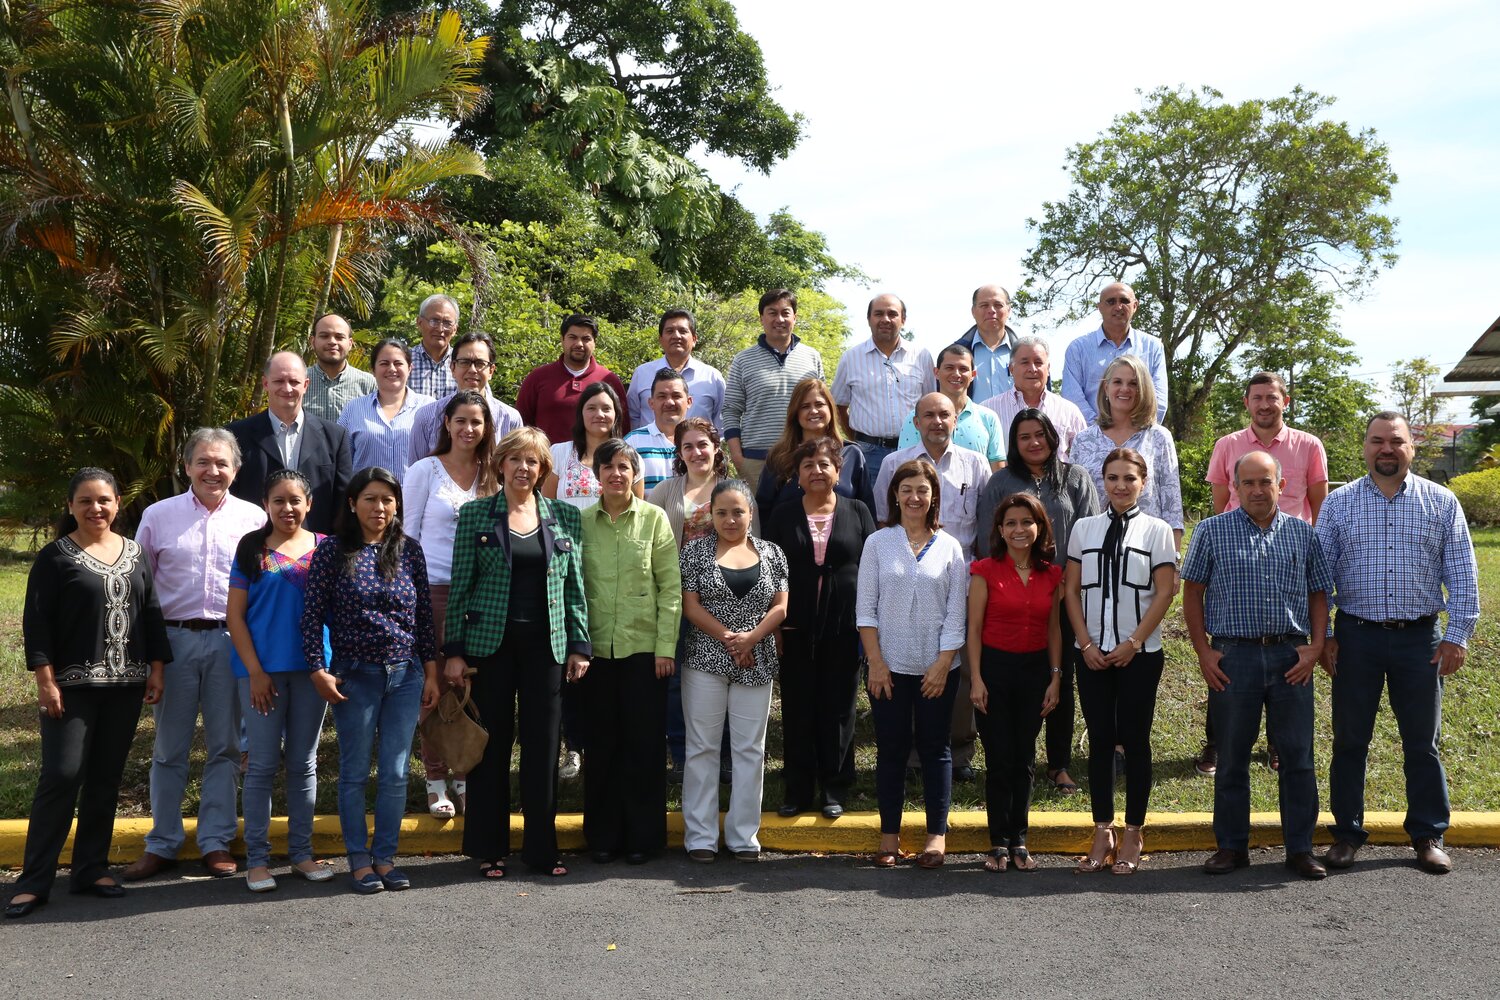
x,y
592,567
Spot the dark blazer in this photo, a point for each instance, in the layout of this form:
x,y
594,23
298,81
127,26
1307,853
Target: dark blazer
x,y
855,481
323,458
831,612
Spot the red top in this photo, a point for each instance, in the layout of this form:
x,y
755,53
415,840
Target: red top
x,y
548,397
1016,615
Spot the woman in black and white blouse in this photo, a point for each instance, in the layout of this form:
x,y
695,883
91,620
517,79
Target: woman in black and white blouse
x,y
734,594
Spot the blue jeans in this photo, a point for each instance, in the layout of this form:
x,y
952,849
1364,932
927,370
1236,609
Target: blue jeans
x,y
1371,658
903,717
296,718
198,678
384,699
874,455
1256,678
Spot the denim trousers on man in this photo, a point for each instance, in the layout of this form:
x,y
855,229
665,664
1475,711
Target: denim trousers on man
x,y
198,678
906,719
1371,658
295,720
874,454
381,700
1257,676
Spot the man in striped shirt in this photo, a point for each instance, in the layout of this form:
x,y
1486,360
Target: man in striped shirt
x,y
656,442
760,382
879,381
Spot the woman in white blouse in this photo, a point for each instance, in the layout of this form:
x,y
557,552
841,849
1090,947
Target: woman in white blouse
x,y
1126,406
910,608
1119,582
460,469
599,418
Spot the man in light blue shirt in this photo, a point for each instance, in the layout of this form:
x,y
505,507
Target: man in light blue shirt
x,y
1089,355
678,336
990,341
976,427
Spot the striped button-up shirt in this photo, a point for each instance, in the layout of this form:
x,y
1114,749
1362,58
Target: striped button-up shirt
x,y
1257,580
758,388
431,378
374,440
1392,558
191,549
1066,418
880,391
328,395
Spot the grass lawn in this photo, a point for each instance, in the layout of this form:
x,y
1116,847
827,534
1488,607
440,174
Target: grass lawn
x,y
1471,715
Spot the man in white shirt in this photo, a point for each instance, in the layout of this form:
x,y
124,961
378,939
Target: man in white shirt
x,y
656,442
1031,371
678,336
879,381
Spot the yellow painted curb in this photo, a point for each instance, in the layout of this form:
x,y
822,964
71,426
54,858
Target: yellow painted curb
x,y
1051,832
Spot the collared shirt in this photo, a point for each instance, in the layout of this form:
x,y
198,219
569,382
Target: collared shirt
x,y
963,474
704,384
1148,546
633,581
431,378
328,395
1392,558
191,549
991,366
1162,495
919,605
1088,356
1066,418
1257,579
759,386
1016,613
288,437
977,428
374,440
658,452
880,390
423,435
1303,463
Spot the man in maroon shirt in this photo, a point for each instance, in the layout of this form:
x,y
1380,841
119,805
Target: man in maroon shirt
x,y
548,397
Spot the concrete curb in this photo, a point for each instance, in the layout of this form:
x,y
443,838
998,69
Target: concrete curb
x,y
855,832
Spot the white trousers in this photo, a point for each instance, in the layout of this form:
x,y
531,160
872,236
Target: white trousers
x,y
706,700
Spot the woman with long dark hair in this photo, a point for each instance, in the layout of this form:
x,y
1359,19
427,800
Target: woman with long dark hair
x,y
97,645
282,711
599,417
810,414
368,586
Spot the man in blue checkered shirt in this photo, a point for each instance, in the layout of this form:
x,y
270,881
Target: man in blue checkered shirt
x,y
1394,542
1255,580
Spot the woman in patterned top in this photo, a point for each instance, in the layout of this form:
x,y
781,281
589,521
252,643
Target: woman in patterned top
x,y
599,417
369,587
278,703
734,592
461,468
95,640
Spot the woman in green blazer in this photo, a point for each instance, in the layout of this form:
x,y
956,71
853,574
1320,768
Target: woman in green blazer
x,y
516,615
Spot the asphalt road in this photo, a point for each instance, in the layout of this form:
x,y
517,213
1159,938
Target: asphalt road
x,y
790,926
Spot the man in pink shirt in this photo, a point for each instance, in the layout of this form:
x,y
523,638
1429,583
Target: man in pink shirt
x,y
190,540
1304,465
548,396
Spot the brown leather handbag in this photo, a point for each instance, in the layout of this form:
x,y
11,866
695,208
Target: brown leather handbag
x,y
453,731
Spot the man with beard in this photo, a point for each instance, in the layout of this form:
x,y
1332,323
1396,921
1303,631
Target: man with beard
x,y
333,382
548,396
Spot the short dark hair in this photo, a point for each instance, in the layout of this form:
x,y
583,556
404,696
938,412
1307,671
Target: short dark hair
x,y
473,337
776,295
1391,415
672,314
1266,378
813,447
925,470
665,374
606,451
958,349
899,301
579,319
67,523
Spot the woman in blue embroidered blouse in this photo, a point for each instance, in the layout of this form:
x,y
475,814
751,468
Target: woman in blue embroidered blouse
x,y
278,702
369,586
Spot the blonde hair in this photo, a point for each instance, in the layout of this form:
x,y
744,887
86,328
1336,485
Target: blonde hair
x,y
526,439
1144,414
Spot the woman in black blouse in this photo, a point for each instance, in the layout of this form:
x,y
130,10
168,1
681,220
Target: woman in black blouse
x,y
95,639
822,537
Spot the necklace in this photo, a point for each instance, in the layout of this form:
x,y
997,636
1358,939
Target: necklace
x,y
917,543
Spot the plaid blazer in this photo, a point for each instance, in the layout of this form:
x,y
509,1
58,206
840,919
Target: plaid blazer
x,y
479,595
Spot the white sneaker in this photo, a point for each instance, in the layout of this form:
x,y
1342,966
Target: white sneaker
x,y
569,764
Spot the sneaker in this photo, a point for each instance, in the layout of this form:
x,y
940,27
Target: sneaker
x,y
1273,759
1208,760
569,764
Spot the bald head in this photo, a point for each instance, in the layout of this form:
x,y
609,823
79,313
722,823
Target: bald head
x,y
1117,305
285,382
934,419
1258,484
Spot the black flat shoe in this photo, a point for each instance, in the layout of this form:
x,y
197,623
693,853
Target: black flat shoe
x,y
789,809
833,811
104,890
602,857
15,911
636,858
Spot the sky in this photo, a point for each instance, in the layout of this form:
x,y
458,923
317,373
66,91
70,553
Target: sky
x,y
933,133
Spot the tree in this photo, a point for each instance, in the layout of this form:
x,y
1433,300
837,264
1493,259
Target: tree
x,y
1412,385
1223,217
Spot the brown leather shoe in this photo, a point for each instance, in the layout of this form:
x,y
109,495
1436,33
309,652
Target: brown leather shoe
x,y
1304,864
220,864
1431,857
1341,854
1224,860
146,866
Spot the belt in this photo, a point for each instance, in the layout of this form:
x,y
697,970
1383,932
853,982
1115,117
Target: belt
x,y
1394,624
198,624
1285,638
871,439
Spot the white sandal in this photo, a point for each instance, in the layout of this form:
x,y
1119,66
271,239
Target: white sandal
x,y
437,799
461,795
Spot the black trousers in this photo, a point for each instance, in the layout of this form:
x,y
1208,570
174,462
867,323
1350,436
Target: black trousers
x,y
1060,721
521,681
83,752
819,685
624,708
1017,683
1119,704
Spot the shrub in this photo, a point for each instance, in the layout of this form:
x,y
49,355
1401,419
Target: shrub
x,y
1479,492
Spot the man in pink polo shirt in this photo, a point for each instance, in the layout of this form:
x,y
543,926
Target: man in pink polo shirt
x,y
1304,465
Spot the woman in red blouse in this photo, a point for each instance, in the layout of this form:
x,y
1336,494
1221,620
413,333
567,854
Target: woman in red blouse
x,y
1014,653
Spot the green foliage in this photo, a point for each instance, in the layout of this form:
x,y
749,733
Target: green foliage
x,y
1479,492
728,326
1412,385
1225,218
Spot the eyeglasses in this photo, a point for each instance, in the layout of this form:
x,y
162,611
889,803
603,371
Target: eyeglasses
x,y
1121,301
441,324
473,364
